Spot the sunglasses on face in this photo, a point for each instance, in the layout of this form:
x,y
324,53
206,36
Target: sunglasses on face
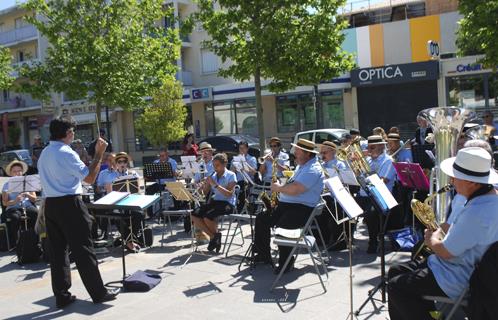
x,y
122,161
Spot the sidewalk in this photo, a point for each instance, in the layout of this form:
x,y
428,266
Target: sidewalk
x,y
208,287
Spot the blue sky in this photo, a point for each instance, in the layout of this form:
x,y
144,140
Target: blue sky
x,y
8,3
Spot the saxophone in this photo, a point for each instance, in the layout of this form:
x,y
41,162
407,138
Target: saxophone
x,y
425,214
271,202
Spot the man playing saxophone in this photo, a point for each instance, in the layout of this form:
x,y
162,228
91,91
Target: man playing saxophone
x,y
282,163
297,199
447,272
381,164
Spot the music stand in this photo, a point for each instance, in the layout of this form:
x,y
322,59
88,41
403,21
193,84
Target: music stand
x,y
191,166
126,185
383,202
180,193
420,155
156,171
22,184
353,211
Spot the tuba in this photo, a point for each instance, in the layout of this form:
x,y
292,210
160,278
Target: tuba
x,y
446,123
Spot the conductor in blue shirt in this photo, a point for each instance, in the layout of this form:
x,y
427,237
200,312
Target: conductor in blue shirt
x,y
447,272
67,219
297,199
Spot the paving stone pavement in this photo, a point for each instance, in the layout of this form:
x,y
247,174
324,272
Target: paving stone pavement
x,y
209,286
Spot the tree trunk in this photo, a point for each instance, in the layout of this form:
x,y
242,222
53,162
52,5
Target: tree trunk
x,y
98,107
259,110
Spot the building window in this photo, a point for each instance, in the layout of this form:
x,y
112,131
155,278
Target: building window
x,y
209,62
467,92
232,117
333,109
20,22
20,56
295,113
6,95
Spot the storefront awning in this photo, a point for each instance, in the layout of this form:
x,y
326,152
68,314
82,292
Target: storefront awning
x,y
86,118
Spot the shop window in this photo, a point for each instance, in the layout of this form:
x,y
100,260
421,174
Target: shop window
x,y
247,120
333,110
231,117
295,113
467,92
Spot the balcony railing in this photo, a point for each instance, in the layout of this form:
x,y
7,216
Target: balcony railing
x,y
17,35
185,77
19,101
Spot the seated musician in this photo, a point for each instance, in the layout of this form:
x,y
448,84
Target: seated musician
x,y
106,176
297,199
447,272
122,160
206,162
282,161
221,183
381,164
161,183
330,229
14,202
249,168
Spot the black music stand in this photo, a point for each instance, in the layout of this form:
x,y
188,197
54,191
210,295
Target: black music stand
x,y
420,155
126,185
123,202
365,185
156,171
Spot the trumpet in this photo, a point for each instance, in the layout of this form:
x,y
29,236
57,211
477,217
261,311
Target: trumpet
x,y
261,160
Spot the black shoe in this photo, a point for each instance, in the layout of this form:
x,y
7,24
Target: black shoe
x,y
109,295
64,302
212,244
217,239
290,266
372,248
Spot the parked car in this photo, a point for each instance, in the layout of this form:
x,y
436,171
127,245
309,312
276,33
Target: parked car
x,y
8,156
320,135
229,144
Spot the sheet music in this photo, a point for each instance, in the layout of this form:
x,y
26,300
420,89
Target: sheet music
x,y
344,198
191,166
331,172
112,197
348,177
383,191
29,183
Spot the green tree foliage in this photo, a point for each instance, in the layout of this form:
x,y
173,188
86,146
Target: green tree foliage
x,y
478,32
163,121
114,53
5,68
289,42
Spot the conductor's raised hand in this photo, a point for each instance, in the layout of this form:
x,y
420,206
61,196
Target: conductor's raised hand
x,y
100,147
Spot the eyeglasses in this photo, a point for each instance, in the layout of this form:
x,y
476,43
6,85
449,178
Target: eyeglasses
x,y
121,161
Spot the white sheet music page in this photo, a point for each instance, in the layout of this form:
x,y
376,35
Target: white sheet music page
x,y
382,189
112,197
344,198
348,177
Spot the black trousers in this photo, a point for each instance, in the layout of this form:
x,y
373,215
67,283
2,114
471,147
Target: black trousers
x,y
371,218
69,224
12,218
242,195
285,215
407,283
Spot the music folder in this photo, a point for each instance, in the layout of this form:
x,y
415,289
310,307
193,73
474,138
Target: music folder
x,y
411,175
124,201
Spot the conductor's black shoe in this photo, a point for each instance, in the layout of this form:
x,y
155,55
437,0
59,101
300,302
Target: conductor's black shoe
x,y
290,266
64,302
109,295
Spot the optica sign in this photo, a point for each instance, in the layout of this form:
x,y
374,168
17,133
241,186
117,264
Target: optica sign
x,y
380,73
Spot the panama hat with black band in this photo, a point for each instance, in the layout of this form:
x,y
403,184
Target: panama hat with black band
x,y
206,146
23,165
471,164
375,139
305,145
329,144
275,139
393,136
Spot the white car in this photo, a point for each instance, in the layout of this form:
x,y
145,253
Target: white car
x,y
320,135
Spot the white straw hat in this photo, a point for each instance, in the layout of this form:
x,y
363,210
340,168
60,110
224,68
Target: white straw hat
x,y
471,164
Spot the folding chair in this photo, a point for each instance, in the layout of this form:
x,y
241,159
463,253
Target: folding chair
x,y
306,241
446,303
